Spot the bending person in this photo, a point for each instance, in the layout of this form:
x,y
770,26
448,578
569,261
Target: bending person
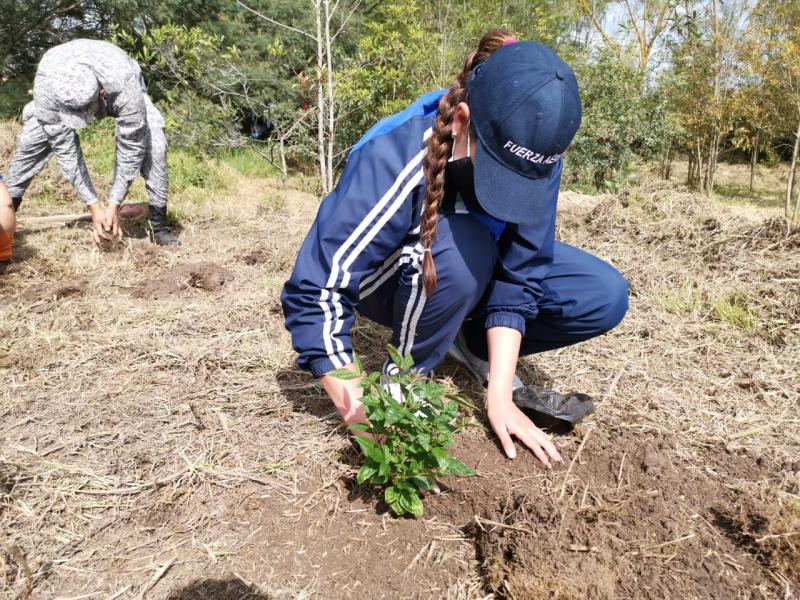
x,y
442,227
76,82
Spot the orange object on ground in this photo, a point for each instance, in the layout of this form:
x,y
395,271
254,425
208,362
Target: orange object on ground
x,y
6,245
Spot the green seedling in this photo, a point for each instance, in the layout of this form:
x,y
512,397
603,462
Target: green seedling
x,y
406,450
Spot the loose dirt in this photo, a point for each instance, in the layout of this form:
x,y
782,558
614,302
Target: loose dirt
x,y
172,449
204,276
628,522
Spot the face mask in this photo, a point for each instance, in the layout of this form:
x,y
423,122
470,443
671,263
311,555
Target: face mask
x,y
460,173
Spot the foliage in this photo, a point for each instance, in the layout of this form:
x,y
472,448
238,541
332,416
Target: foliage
x,y
410,47
735,310
387,73
613,119
660,78
189,72
407,448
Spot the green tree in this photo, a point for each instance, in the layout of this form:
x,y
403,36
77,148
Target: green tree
x,y
612,120
776,61
193,76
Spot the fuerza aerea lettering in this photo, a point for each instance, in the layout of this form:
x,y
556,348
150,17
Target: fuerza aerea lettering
x,y
530,155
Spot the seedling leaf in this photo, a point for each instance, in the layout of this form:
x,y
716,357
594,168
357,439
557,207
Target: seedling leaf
x,y
370,448
344,374
366,473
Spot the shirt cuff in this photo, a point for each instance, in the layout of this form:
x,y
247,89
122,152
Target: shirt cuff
x,y
506,319
323,366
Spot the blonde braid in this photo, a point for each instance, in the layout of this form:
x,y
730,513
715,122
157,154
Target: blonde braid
x,y
439,148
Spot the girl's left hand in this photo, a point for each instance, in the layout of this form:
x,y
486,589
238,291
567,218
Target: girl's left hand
x,y
507,420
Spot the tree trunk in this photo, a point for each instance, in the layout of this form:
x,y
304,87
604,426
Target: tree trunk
x,y
323,172
666,164
713,146
696,180
790,179
711,164
331,107
284,169
753,161
795,214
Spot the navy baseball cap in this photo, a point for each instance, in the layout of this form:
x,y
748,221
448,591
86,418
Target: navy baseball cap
x,y
525,107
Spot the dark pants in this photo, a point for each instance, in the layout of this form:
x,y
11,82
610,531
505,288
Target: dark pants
x,y
583,297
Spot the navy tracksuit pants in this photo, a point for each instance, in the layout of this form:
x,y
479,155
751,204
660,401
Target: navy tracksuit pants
x,y
583,297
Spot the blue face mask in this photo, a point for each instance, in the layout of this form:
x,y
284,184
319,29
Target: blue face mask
x,y
461,174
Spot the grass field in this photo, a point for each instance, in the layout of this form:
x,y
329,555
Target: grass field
x,y
157,441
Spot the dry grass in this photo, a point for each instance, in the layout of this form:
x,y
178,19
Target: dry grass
x,y
169,448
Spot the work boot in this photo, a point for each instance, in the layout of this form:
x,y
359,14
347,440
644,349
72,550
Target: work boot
x,y
6,246
161,235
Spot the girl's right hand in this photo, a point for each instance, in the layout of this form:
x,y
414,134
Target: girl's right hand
x,y
346,397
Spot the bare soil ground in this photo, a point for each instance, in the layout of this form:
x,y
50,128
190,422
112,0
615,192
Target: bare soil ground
x,y
157,441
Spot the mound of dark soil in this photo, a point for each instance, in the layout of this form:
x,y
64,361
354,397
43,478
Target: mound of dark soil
x,y
628,522
205,276
218,589
53,291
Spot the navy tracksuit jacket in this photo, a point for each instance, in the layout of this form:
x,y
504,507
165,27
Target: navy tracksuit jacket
x,y
363,253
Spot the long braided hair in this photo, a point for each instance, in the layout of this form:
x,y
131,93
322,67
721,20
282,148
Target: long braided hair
x,y
440,145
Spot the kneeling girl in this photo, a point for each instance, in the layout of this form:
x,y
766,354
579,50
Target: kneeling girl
x,y
442,227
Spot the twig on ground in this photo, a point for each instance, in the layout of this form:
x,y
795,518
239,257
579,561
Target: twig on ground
x,y
156,578
19,557
574,460
481,522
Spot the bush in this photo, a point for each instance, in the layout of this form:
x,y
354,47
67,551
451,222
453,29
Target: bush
x,y
407,450
188,169
188,71
612,120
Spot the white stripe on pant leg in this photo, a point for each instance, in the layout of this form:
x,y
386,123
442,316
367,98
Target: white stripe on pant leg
x,y
408,257
412,300
412,183
387,264
384,278
326,327
412,328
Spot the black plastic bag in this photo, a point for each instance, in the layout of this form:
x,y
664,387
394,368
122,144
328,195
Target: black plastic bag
x,y
551,410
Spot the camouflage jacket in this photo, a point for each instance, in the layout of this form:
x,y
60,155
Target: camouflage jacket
x,y
125,100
